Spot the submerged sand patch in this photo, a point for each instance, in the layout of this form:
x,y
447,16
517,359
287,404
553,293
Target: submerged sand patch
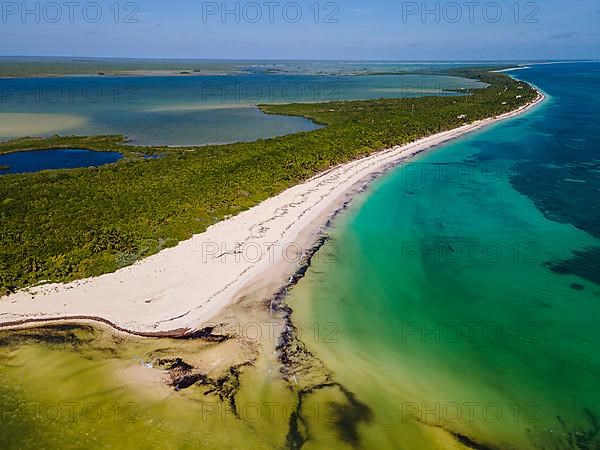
x,y
14,125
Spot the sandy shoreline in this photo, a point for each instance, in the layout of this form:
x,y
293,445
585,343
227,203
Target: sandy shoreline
x,y
184,287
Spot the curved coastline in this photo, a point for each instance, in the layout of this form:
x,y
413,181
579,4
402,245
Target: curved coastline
x,y
181,289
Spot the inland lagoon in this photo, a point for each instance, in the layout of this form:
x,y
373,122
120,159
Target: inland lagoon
x,y
205,107
67,158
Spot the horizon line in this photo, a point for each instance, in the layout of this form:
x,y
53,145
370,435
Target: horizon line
x,y
158,58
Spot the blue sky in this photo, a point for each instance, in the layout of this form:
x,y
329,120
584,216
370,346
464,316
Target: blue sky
x,y
349,29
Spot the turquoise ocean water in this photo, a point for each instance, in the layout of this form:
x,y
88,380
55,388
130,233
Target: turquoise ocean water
x,y
464,294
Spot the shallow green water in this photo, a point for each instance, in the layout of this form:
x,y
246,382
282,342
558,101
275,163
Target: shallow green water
x,y
75,386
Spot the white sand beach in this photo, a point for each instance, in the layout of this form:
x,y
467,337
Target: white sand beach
x,y
183,287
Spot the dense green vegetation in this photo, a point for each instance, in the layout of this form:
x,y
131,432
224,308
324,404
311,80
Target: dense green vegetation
x,y
66,224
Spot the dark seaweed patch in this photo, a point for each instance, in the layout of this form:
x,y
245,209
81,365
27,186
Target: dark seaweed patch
x,y
465,440
297,428
300,363
61,334
206,334
470,443
572,438
183,376
349,416
556,196
296,359
584,263
345,417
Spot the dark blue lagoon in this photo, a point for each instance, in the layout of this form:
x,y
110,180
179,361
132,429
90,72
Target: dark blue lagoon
x,y
68,158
